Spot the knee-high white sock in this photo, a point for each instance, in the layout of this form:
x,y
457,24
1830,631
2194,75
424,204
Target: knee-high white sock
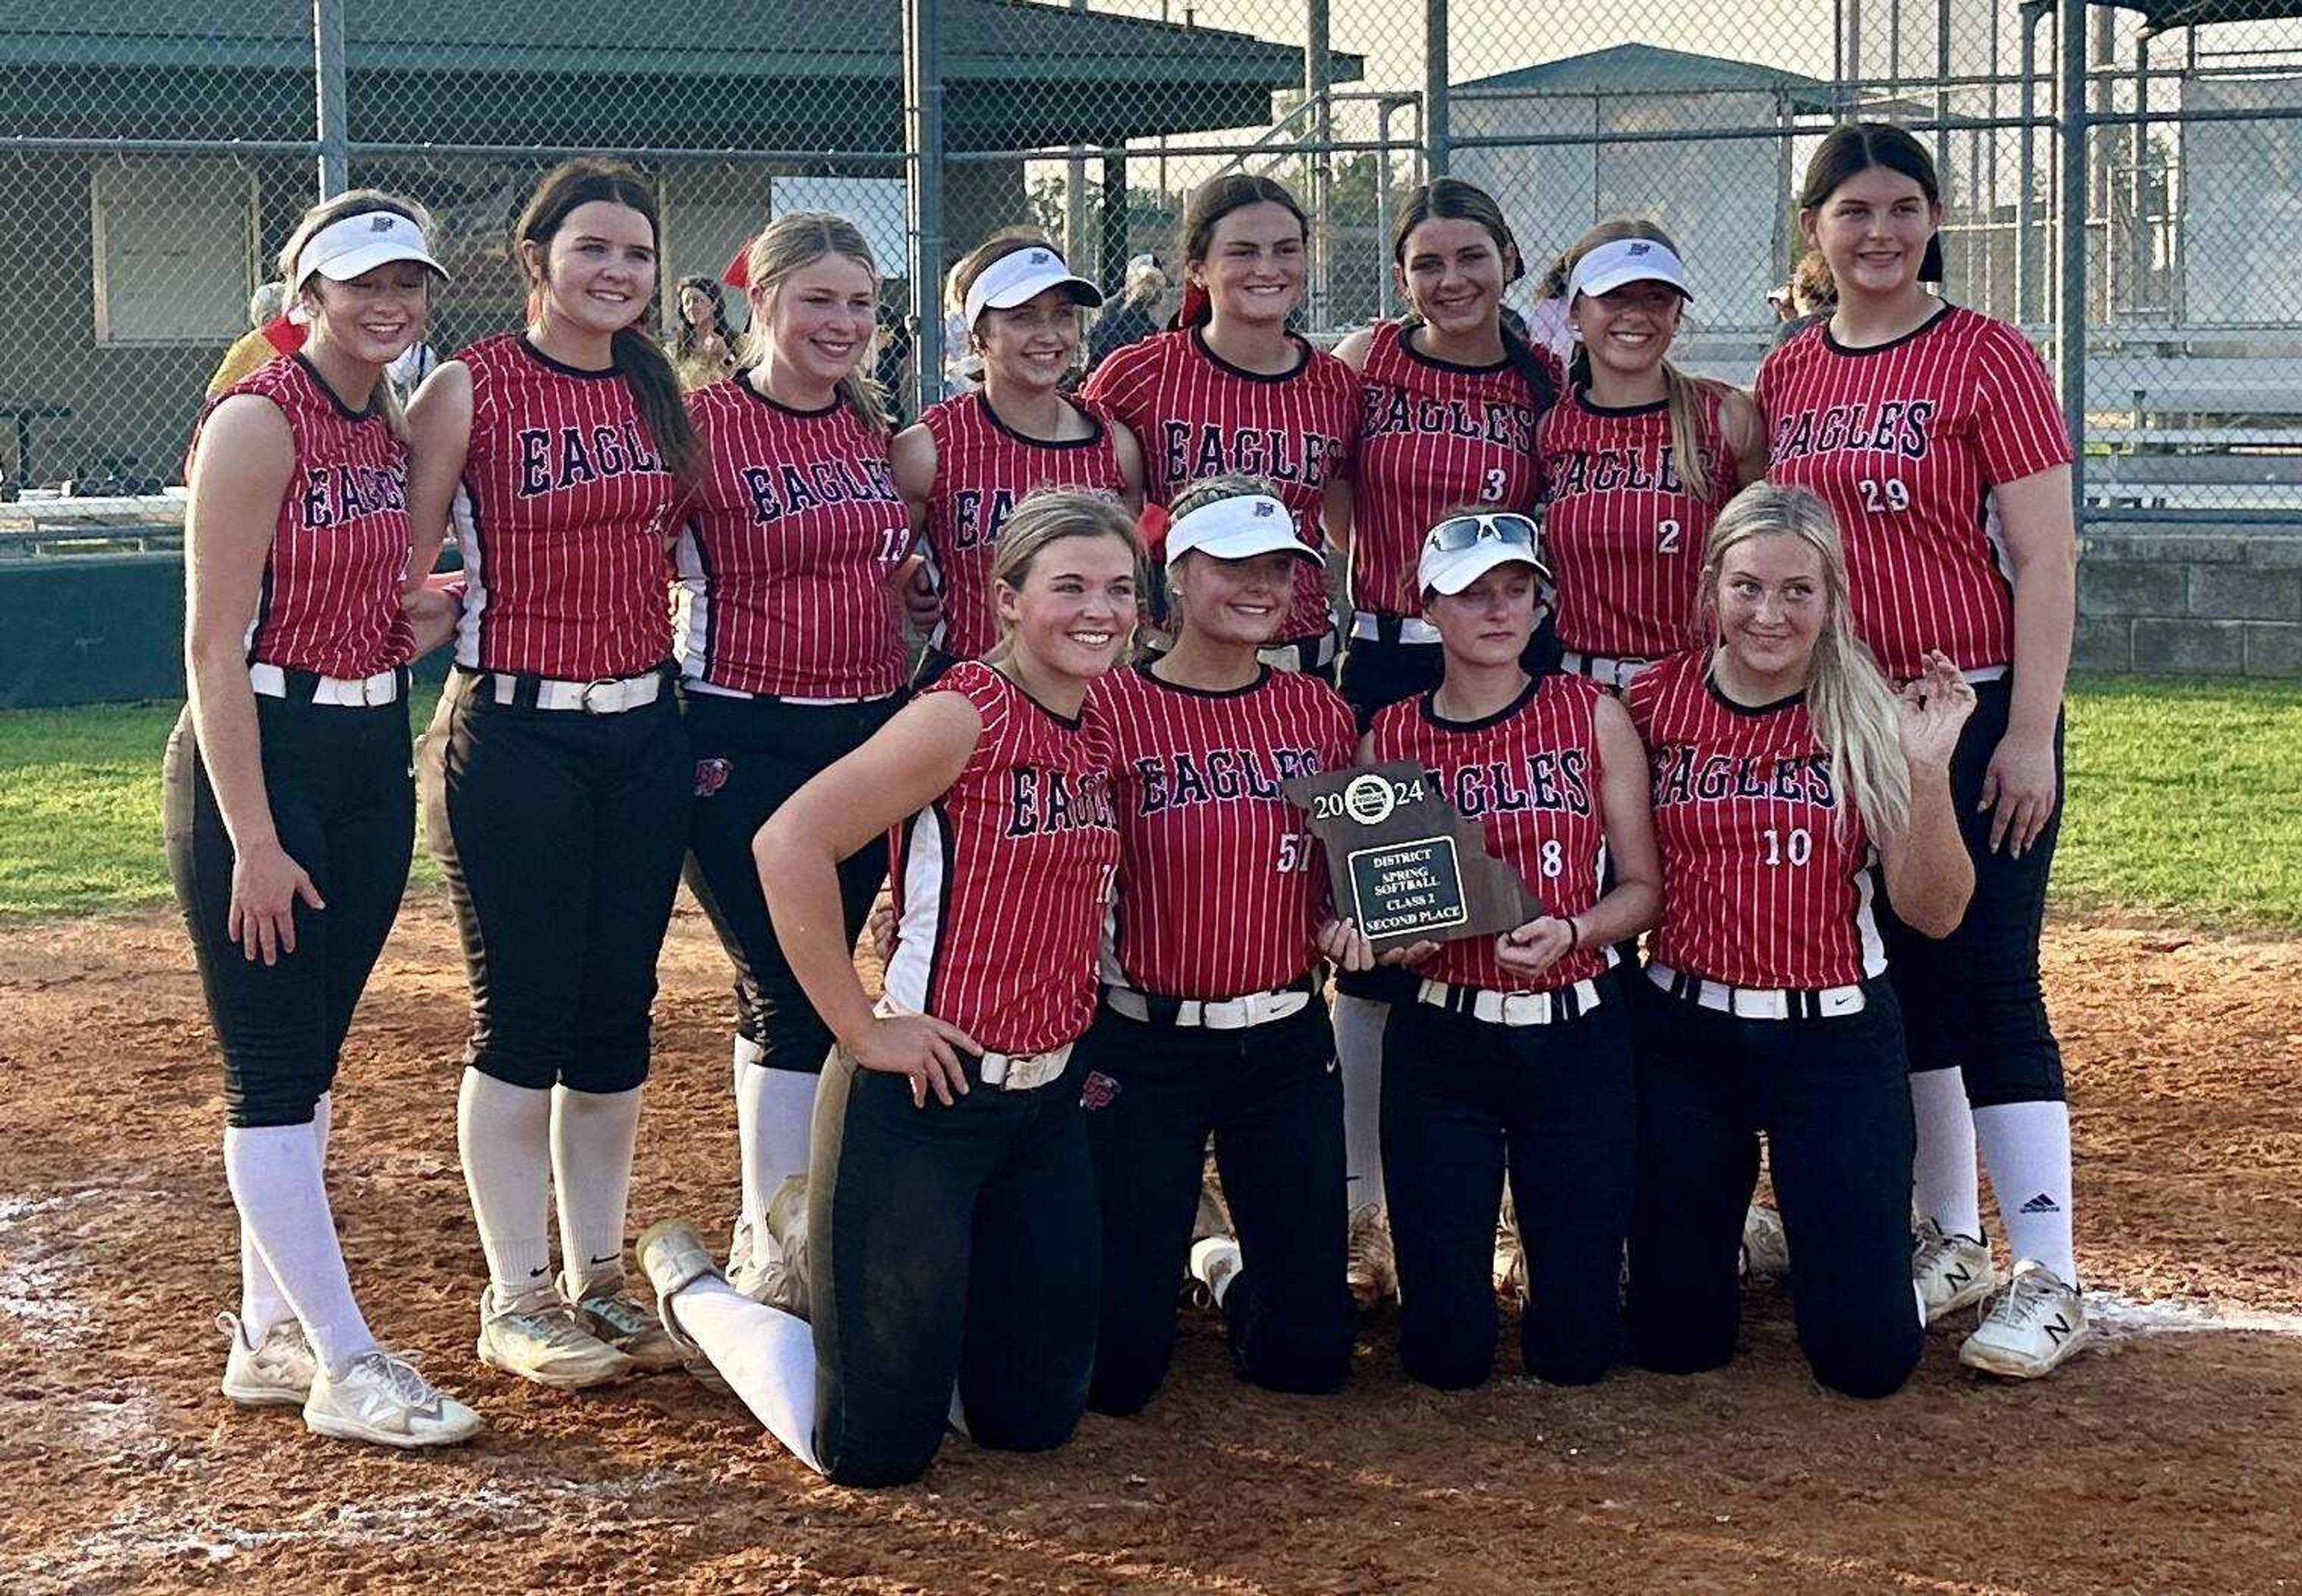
x,y
1358,1054
261,1305
274,1174
766,1355
783,1110
1943,1183
753,1202
2027,1147
504,1133
592,1136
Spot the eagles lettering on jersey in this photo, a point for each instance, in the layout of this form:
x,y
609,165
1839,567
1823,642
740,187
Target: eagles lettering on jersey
x,y
338,493
1616,471
977,516
776,491
1556,781
1044,802
1683,774
554,457
1218,775
1206,449
1896,426
1393,411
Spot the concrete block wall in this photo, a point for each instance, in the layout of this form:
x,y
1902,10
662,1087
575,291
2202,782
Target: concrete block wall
x,y
2163,599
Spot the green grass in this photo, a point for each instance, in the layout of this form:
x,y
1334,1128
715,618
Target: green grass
x,y
2186,802
79,808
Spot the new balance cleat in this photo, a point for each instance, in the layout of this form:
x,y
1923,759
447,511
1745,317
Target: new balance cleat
x,y
275,1372
2035,1324
539,1339
1373,1270
382,1399
1951,1270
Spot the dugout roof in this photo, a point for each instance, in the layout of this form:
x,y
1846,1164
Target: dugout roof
x,y
747,74
1648,69
2161,16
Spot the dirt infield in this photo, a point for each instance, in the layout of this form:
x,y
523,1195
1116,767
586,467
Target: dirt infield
x,y
2163,1461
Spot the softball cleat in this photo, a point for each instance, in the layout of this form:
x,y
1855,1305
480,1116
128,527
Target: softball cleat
x,y
1951,1270
540,1340
275,1372
2034,1326
1372,1270
382,1399
630,1329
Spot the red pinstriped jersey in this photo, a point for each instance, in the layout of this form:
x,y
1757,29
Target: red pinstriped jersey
x,y
1530,776
1219,891
1197,416
329,602
785,551
984,468
1905,440
1001,883
1624,533
1432,437
562,520
1760,887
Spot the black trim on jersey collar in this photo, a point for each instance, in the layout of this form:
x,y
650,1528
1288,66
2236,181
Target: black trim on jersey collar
x,y
1921,330
1406,347
1429,704
1069,722
335,399
1261,675
741,377
563,369
1199,342
1590,407
1711,682
1095,436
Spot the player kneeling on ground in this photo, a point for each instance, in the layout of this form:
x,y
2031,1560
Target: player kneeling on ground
x,y
1515,1052
1211,1022
1787,776
953,1240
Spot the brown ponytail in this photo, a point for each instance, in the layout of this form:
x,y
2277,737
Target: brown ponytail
x,y
326,213
646,371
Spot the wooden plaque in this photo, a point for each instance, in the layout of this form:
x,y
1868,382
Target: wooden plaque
x,y
1404,862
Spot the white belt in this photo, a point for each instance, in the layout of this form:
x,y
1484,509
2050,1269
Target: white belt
x,y
344,692
1229,1013
713,690
1753,1003
1009,1071
609,695
1617,674
1411,629
1988,672
1511,1008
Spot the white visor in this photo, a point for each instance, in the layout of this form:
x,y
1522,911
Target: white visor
x,y
344,250
1607,267
1238,529
1023,276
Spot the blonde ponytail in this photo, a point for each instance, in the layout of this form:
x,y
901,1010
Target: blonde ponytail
x,y
1689,397
1847,698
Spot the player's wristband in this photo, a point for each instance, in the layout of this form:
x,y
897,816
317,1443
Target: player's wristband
x,y
1574,935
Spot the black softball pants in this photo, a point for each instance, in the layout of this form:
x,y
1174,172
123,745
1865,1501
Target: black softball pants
x,y
1272,1101
1464,1101
560,834
343,801
1971,1001
1832,1097
947,1244
750,756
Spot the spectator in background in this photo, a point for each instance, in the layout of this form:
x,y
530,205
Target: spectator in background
x,y
1810,297
701,351
270,333
1546,326
892,364
1137,314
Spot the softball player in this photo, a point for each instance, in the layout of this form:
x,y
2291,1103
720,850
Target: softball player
x,y
288,807
1211,1022
1638,461
556,773
1231,389
1450,398
1787,778
790,638
1933,434
952,1239
971,460
1514,1052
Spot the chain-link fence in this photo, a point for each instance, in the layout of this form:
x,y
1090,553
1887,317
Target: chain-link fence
x,y
156,152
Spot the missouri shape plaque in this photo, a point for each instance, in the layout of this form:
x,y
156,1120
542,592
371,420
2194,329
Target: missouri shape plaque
x,y
1405,863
